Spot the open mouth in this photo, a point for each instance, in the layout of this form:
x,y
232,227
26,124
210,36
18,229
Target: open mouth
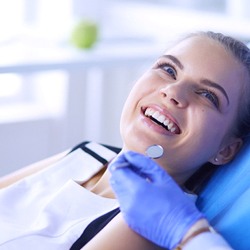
x,y
162,120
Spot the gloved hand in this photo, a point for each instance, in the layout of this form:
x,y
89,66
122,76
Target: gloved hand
x,y
151,202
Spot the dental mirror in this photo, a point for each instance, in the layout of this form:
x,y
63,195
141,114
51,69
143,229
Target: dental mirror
x,y
154,151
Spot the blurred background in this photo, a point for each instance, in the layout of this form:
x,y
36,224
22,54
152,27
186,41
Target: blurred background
x,y
54,95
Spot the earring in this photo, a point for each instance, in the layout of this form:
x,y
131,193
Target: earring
x,y
216,159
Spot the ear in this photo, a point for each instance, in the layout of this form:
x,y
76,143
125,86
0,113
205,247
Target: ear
x,y
227,152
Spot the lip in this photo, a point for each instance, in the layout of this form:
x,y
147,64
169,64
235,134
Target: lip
x,y
154,125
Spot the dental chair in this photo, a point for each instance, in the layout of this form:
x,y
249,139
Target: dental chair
x,y
225,200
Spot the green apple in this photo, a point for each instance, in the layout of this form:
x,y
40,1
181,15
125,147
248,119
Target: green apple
x,y
84,34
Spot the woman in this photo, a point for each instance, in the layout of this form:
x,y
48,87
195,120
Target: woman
x,y
192,102
185,104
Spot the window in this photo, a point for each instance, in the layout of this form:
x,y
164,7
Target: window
x,y
31,21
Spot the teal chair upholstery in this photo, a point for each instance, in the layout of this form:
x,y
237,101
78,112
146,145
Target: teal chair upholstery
x,y
225,200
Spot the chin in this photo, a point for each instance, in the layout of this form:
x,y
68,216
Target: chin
x,y
136,145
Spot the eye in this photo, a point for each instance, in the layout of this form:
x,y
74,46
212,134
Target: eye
x,y
211,96
168,68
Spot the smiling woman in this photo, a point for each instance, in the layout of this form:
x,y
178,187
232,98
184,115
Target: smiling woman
x,y
182,85
186,83
176,226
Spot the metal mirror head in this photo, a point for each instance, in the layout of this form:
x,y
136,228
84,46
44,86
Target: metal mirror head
x,y
155,151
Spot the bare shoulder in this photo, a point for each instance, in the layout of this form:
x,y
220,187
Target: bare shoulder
x,y
118,236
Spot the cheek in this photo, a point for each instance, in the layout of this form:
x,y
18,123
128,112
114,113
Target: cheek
x,y
145,84
130,104
206,131
129,110
142,89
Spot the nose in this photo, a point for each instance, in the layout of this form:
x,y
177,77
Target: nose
x,y
176,94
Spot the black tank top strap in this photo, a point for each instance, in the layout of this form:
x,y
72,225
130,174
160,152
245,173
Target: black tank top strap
x,y
93,228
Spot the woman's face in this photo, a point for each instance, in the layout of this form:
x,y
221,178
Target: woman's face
x,y
188,103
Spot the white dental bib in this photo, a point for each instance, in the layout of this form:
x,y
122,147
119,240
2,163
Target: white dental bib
x,y
50,210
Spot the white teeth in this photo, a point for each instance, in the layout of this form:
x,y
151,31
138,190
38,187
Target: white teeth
x,y
166,122
156,115
161,118
170,125
149,112
173,129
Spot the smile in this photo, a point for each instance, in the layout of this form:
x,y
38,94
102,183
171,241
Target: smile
x,y
162,120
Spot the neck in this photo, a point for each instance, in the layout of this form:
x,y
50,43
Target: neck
x,y
102,186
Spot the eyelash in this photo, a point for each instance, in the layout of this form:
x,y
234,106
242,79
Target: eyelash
x,y
210,95
161,65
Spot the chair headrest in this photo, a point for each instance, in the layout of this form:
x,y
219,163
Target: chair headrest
x,y
225,199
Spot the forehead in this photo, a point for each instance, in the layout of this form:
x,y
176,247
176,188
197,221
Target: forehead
x,y
198,48
205,55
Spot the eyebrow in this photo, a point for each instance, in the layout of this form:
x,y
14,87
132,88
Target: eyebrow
x,y
174,59
204,81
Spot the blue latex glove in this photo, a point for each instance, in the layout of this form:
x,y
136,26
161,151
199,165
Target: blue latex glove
x,y
151,202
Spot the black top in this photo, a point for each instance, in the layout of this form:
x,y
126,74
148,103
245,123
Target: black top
x,y
93,228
